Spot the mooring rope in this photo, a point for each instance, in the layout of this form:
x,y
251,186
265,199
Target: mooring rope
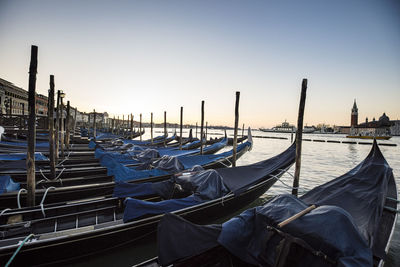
x,y
55,179
18,249
44,197
3,211
18,196
288,186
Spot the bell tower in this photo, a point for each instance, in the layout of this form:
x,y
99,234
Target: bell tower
x,y
354,115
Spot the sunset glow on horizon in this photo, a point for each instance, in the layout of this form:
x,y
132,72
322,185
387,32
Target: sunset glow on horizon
x,y
136,57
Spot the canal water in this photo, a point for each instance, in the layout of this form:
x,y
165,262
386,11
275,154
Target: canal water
x,y
321,162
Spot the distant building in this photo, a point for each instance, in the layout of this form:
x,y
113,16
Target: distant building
x,y
354,115
41,104
14,100
395,127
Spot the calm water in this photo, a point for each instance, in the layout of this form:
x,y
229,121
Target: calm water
x,y
321,162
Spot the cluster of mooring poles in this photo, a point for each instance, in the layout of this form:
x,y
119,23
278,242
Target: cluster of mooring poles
x,y
59,132
58,137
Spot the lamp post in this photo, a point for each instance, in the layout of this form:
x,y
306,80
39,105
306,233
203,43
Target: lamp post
x,y
62,95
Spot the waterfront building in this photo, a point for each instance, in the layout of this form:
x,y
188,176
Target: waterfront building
x,y
395,127
13,99
41,104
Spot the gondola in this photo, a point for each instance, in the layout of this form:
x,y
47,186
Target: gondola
x,y
348,221
100,185
80,169
92,230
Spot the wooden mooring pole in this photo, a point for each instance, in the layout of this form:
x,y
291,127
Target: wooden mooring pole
x,y
94,124
140,126
67,123
131,125
180,136
76,110
299,135
57,132
196,129
235,129
62,125
206,130
201,127
30,157
165,126
151,127
51,129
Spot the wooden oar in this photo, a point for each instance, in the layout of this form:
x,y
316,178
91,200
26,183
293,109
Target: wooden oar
x,y
296,216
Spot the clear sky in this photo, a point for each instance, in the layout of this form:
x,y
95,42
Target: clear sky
x,y
149,56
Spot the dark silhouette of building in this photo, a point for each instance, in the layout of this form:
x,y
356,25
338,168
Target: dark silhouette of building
x,y
354,115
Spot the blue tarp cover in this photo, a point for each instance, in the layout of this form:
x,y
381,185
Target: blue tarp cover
x,y
7,184
22,156
204,186
324,228
25,144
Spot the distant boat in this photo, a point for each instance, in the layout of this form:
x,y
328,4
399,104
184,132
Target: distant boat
x,y
285,127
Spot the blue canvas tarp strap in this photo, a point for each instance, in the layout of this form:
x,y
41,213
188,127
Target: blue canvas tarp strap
x,y
22,156
135,208
123,189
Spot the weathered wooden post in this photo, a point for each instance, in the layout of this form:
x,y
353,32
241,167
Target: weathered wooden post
x,y
140,126
201,127
67,122
30,157
196,129
291,136
151,127
165,127
118,126
242,132
62,124
180,138
299,135
131,126
50,114
76,110
57,132
206,130
236,128
94,124
112,124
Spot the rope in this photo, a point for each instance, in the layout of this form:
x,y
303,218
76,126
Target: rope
x,y
18,249
18,196
44,176
66,158
288,186
49,180
226,165
3,211
223,197
44,197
